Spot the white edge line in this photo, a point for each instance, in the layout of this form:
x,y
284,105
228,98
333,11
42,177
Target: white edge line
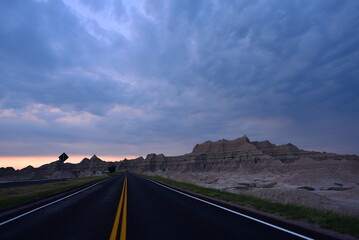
x,y
229,210
48,204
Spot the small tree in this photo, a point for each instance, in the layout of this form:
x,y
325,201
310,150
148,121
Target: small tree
x,y
112,168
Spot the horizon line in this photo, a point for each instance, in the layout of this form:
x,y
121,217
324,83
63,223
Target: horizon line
x,y
20,162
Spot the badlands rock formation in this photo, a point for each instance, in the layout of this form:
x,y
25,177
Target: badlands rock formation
x,y
282,173
58,169
227,156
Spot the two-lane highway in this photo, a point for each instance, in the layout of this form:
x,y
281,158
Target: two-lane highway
x,y
132,207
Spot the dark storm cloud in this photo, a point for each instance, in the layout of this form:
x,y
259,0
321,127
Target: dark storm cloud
x,y
47,57
180,71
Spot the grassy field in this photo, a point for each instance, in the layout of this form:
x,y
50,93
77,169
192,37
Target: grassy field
x,y
10,197
325,219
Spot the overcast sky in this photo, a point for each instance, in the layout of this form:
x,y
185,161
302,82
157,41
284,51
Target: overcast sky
x,y
133,77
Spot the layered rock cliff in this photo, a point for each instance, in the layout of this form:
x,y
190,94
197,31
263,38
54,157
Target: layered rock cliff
x,y
224,155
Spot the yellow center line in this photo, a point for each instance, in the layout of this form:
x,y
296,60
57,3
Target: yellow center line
x,y
118,213
124,215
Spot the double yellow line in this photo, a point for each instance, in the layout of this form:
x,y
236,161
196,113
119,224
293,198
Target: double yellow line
x,y
122,208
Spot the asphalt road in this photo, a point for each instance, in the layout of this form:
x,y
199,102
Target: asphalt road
x,y
136,208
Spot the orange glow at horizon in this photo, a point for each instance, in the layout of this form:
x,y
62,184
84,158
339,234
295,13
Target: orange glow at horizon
x,y
19,162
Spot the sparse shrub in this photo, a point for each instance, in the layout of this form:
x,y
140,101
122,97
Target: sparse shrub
x,y
112,169
307,188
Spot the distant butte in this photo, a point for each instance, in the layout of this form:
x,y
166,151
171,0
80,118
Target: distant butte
x,y
222,155
282,173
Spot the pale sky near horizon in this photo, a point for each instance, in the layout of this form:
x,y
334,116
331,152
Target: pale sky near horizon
x,y
19,162
118,78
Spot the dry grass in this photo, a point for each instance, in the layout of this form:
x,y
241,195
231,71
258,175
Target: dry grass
x,y
10,197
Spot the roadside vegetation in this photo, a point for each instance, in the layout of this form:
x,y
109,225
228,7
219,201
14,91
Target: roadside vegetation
x,y
112,169
10,197
325,219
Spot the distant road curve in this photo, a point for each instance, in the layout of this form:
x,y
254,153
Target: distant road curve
x,y
9,184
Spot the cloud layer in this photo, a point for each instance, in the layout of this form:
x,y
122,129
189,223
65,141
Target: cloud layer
x,y
132,77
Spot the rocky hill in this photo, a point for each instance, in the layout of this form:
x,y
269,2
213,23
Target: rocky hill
x,y
281,173
219,156
224,155
58,169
